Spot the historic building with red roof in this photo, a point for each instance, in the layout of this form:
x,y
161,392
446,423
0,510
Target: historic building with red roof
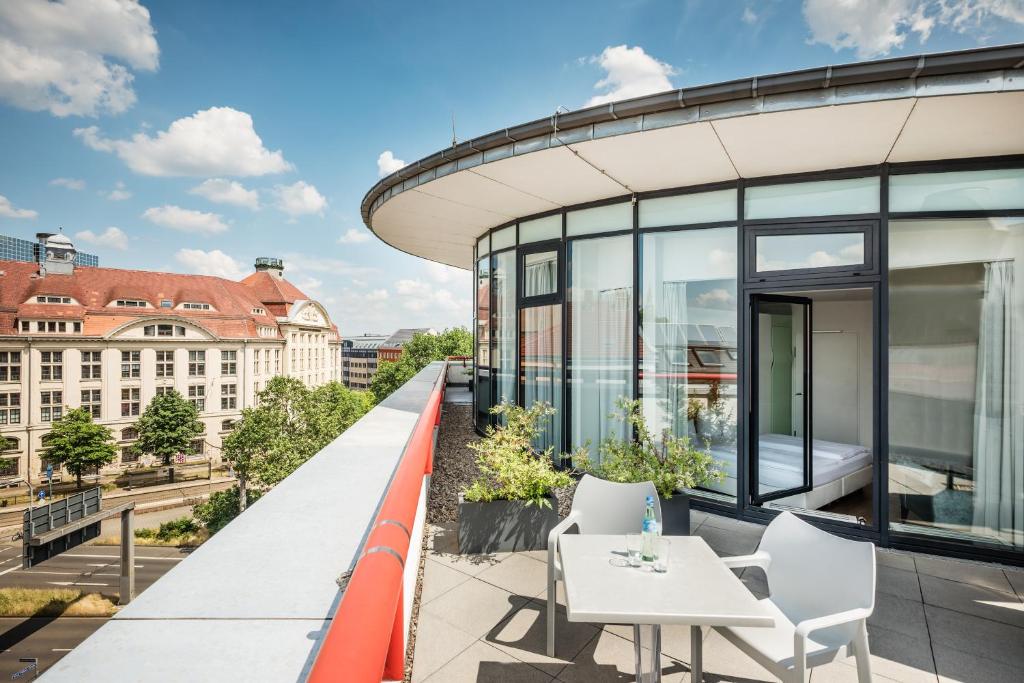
x,y
109,340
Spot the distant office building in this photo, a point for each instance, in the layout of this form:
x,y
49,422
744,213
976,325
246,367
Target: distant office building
x,y
391,349
359,359
17,249
109,340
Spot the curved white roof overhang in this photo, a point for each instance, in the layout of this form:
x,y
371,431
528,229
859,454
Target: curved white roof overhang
x,y
438,207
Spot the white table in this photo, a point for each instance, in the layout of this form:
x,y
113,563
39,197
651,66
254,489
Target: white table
x,y
697,590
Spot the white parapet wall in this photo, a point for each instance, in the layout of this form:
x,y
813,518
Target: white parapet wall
x,y
253,602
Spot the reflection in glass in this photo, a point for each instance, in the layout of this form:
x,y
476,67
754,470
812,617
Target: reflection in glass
x,y
988,190
601,339
809,250
956,378
816,198
688,340
483,341
505,327
540,333
540,274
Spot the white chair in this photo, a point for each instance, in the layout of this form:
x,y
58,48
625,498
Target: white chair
x,y
822,592
598,507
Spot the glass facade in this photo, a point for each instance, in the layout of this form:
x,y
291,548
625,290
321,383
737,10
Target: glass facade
x,y
907,421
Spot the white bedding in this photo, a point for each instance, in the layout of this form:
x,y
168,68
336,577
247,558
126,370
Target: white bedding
x,y
781,461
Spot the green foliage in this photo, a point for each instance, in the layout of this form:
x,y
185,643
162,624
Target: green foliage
x,y
671,462
220,508
510,467
79,444
176,528
168,426
417,353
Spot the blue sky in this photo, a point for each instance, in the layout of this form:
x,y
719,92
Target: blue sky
x,y
209,133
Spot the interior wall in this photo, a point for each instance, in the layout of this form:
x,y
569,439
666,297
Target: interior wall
x,y
841,327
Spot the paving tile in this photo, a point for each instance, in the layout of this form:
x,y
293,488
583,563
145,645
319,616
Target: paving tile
x,y
900,615
437,643
896,559
438,579
443,547
482,662
517,574
524,636
539,555
610,658
542,595
898,582
958,666
728,541
675,639
977,574
842,671
900,657
1016,579
979,637
723,661
755,581
974,600
475,607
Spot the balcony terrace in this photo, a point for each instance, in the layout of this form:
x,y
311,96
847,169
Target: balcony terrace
x,y
261,600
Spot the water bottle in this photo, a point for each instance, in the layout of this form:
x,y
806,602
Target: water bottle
x,y
649,531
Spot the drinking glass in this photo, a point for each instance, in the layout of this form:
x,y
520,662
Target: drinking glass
x,y
634,545
662,547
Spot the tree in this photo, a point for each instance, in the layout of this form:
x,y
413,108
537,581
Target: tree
x,y
79,444
220,508
419,351
168,426
259,448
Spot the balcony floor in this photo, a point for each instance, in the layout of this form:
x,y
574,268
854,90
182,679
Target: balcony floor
x,y
482,618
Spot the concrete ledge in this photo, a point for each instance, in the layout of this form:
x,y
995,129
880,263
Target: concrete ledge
x,y
252,602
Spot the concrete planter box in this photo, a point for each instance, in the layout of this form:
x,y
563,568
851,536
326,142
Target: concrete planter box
x,y
675,515
505,525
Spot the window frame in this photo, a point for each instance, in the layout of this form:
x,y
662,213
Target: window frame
x,y
869,268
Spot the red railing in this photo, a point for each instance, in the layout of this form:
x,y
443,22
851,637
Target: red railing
x,y
365,642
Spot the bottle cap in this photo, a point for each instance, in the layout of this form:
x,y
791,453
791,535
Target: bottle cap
x,y
650,499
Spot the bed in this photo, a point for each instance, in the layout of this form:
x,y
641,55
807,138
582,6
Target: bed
x,y
838,470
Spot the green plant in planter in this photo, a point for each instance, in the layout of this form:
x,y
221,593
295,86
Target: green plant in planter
x,y
510,467
671,462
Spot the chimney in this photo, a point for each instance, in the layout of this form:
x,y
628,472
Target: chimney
x,y
274,266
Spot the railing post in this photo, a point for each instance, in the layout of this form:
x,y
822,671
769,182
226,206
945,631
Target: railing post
x,y
127,587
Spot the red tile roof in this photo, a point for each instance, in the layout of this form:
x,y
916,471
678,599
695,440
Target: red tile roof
x,y
95,288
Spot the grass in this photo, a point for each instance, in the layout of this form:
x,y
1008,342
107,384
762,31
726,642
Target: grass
x,y
56,602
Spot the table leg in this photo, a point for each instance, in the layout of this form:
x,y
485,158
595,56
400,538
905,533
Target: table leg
x,y
696,655
648,665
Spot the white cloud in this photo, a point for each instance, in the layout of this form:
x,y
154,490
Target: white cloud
x,y
388,164
749,16
354,236
439,272
222,191
112,237
715,298
70,183
213,142
186,220
876,27
7,210
59,56
629,72
214,262
119,193
378,295
417,296
300,199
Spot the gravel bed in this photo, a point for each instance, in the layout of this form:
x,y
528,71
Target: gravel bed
x,y
455,466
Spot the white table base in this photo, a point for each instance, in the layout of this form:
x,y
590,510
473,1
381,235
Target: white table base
x,y
647,653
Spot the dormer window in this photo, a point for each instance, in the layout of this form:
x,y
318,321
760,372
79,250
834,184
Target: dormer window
x,y
259,311
195,306
166,303
50,299
131,303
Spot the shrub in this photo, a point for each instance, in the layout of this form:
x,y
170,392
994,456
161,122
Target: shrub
x,y
510,467
183,526
671,462
221,508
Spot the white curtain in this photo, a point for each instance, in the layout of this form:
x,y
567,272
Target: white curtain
x,y
675,348
540,277
542,368
614,365
999,413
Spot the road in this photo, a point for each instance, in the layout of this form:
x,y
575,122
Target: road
x,y
91,567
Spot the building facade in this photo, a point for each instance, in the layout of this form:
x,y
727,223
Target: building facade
x,y
359,359
391,349
811,275
109,340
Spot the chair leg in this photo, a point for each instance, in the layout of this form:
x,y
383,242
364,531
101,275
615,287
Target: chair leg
x,y
862,653
552,604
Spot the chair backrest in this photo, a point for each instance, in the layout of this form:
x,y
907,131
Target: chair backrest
x,y
813,573
608,507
